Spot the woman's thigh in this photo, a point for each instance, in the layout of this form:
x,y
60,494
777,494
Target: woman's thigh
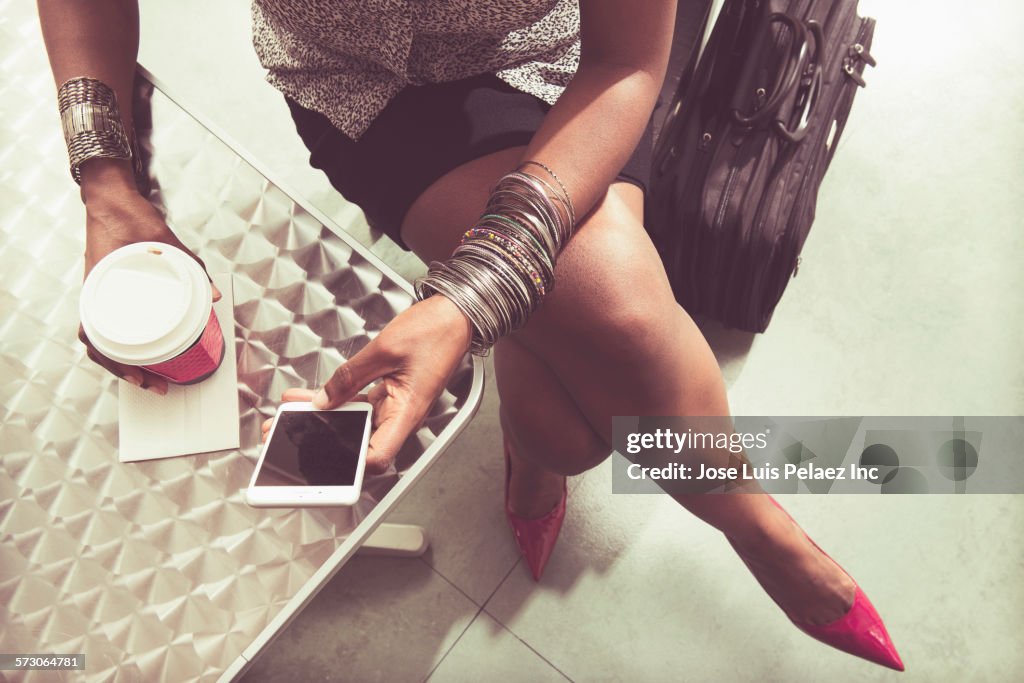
x,y
611,329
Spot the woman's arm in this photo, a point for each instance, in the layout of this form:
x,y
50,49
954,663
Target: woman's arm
x,y
590,133
100,39
586,138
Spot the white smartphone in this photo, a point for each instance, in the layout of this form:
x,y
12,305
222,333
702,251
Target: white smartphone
x,y
312,457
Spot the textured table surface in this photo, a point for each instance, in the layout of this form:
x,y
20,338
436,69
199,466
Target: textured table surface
x,y
159,570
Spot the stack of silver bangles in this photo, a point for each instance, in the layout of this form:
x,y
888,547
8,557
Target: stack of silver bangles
x,y
91,122
504,266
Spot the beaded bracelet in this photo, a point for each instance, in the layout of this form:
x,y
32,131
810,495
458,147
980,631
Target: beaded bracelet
x,y
517,251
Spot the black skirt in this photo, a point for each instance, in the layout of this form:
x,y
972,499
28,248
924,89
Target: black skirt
x,y
425,132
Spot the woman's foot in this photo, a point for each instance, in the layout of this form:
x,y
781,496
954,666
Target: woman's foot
x,y
815,593
533,491
536,534
807,584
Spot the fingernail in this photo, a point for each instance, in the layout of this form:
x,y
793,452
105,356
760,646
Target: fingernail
x,y
162,391
132,379
321,400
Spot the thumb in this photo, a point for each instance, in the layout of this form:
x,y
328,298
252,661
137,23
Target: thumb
x,y
350,378
387,439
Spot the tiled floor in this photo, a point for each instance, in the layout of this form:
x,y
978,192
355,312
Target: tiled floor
x,y
908,302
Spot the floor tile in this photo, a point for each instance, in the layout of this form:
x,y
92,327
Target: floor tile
x,y
460,501
379,619
489,652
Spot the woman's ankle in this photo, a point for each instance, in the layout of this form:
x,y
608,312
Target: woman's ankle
x,y
769,530
533,490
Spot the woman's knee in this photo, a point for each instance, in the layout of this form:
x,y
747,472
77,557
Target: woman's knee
x,y
611,293
540,417
613,328
568,449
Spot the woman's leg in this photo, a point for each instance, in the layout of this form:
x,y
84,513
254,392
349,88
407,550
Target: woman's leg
x,y
612,336
541,421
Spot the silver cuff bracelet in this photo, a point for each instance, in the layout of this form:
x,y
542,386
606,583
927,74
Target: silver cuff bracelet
x,y
91,122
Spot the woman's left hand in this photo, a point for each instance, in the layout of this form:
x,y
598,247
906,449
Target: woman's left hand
x,y
413,356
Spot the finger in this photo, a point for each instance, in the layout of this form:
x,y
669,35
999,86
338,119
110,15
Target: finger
x,y
129,373
375,397
301,395
216,292
298,395
150,382
265,429
154,383
377,394
388,438
364,367
111,367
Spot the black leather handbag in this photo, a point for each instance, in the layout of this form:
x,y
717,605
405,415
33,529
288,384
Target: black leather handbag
x,y
747,140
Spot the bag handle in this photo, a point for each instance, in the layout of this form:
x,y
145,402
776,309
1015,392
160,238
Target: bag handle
x,y
810,98
789,77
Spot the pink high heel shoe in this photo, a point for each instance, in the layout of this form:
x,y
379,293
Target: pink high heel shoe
x,y
860,632
535,537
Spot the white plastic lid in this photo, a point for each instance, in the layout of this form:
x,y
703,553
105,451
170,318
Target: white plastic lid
x,y
145,303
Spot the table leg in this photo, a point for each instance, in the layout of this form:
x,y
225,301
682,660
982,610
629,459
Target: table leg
x,y
396,540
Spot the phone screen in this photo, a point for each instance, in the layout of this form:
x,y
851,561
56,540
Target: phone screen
x,y
314,448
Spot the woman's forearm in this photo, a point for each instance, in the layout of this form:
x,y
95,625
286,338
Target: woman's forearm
x,y
588,136
98,39
592,130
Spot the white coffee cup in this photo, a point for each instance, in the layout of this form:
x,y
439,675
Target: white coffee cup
x,y
150,304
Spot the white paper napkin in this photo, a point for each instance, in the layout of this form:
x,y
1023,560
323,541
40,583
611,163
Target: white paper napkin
x,y
196,418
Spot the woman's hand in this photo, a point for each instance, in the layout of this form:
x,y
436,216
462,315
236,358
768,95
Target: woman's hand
x,y
114,220
413,356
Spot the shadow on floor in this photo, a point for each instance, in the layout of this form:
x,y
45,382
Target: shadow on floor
x,y
730,345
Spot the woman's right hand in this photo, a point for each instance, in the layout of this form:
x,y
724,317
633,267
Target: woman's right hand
x,y
414,356
116,216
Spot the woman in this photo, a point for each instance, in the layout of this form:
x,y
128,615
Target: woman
x,y
490,138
